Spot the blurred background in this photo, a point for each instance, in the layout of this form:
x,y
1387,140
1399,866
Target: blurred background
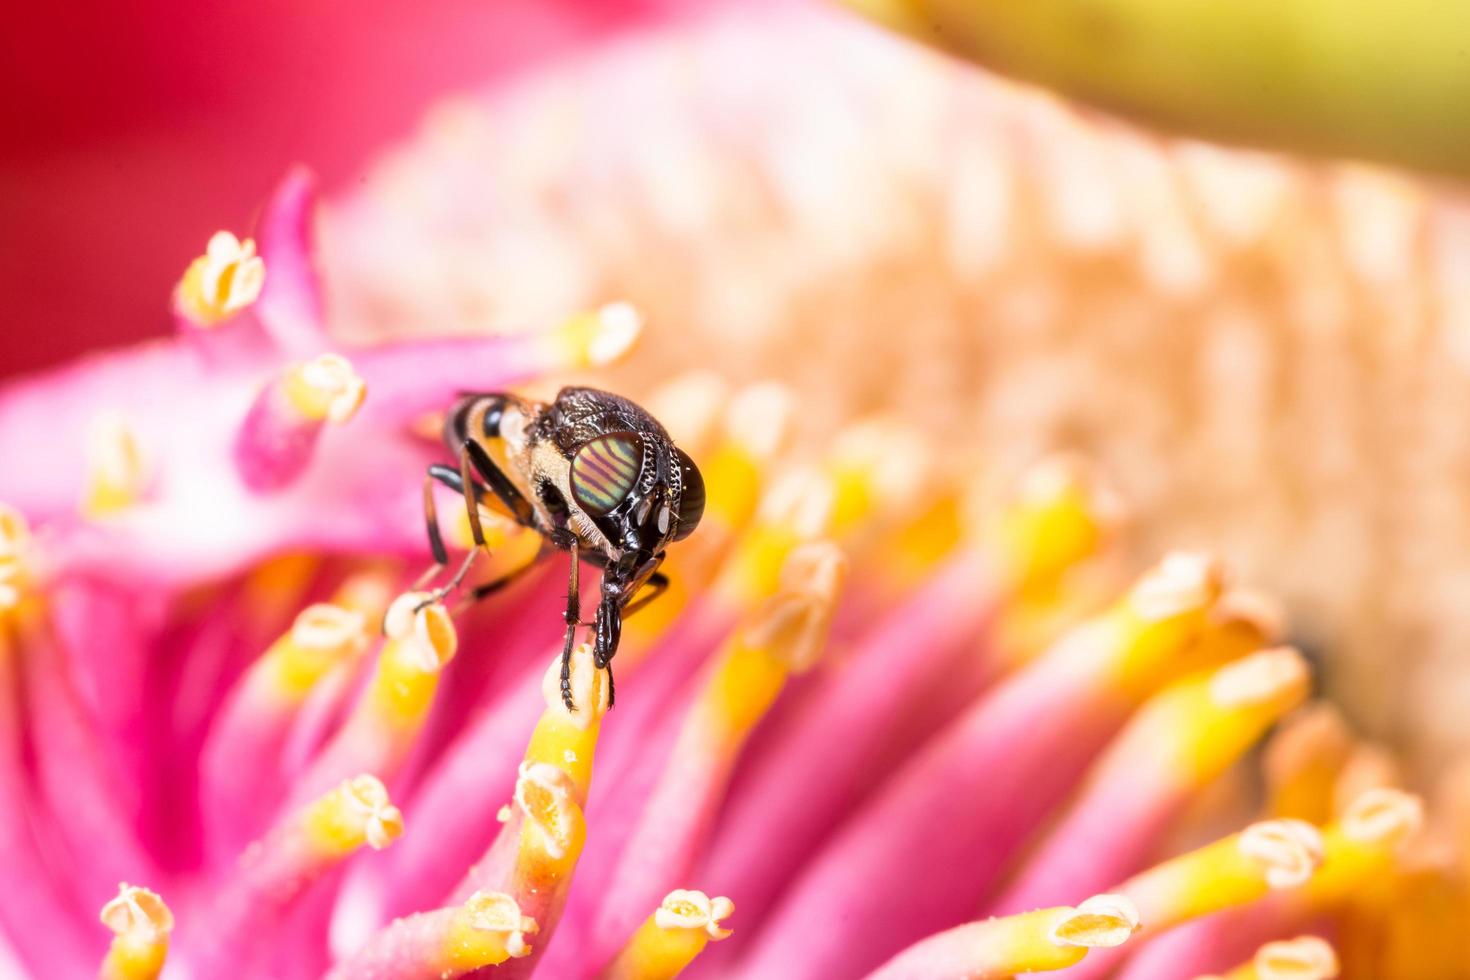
x,y
1265,346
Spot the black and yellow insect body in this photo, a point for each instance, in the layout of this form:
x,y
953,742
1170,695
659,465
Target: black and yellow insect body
x,y
596,475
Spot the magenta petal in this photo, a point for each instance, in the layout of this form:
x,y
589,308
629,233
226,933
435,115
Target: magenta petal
x,y
405,381
290,306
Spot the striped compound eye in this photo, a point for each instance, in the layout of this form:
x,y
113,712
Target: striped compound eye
x,y
691,499
605,470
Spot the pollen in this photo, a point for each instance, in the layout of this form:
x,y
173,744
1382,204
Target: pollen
x,y
325,389
117,470
141,923
1259,678
138,912
226,279
423,631
543,795
1303,958
689,909
15,538
357,812
1102,920
499,912
1288,851
1383,816
1181,582
589,688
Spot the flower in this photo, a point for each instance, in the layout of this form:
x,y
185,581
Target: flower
x,y
906,724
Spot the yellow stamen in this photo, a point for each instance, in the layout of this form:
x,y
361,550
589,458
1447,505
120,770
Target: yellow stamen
x,y
1047,939
596,338
488,929
669,939
1165,613
1368,766
797,508
1303,958
757,422
786,635
1100,921
1059,516
874,466
368,593
15,536
567,739
1241,868
1302,761
1363,845
420,642
552,828
355,813
141,923
226,279
324,389
1203,723
117,473
323,636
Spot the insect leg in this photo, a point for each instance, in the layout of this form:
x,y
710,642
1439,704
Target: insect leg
x,y
658,584
471,499
487,589
431,521
571,616
499,483
609,629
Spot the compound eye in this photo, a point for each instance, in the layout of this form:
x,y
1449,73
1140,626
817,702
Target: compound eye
x,y
605,470
691,497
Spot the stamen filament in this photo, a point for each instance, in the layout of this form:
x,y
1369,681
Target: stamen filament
x,y
924,641
388,716
536,852
785,636
1303,958
1181,739
669,939
241,760
274,872
488,929
1302,760
1360,852
276,441
117,470
1047,939
970,796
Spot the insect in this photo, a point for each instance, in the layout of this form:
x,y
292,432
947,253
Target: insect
x,y
596,476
